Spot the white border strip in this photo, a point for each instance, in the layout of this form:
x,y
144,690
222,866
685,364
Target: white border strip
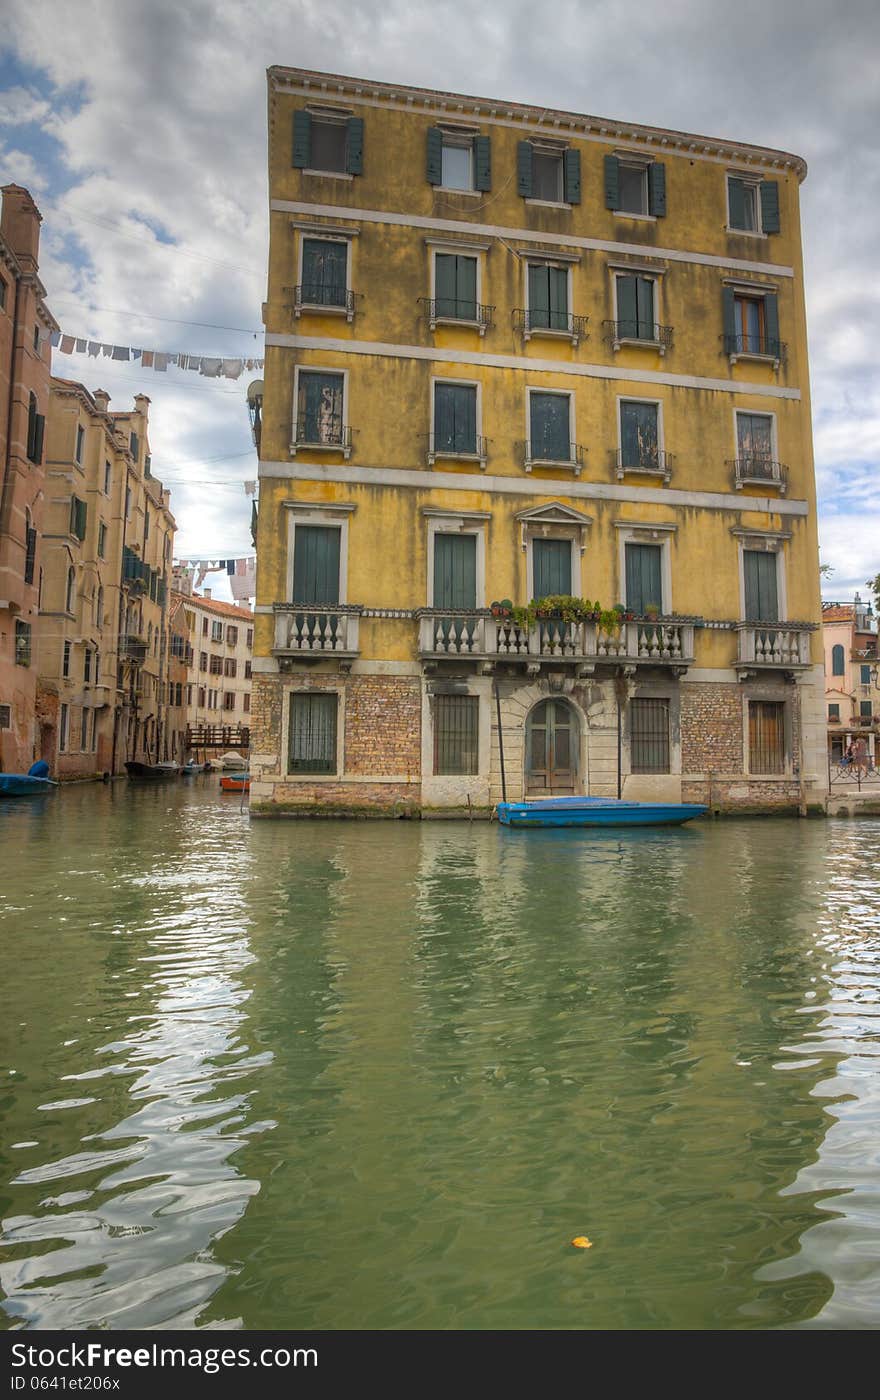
x,y
421,480
601,245
440,355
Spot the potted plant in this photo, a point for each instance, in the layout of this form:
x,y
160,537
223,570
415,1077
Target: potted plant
x,y
502,609
652,612
610,621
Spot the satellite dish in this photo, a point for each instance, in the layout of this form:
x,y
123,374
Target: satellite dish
x,y
255,391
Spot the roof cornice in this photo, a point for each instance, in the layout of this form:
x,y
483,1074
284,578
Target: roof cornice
x,y
550,120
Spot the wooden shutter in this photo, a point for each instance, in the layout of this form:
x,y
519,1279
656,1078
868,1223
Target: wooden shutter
x,y
465,400
572,176
30,554
736,203
39,434
550,427
612,182
455,571
445,283
645,307
728,311
434,156
524,168
302,139
769,206
558,289
466,287
551,567
771,324
643,577
759,571
316,564
444,418
627,314
482,163
657,189
354,146
539,294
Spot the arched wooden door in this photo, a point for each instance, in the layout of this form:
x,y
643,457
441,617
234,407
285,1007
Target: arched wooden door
x,y
552,745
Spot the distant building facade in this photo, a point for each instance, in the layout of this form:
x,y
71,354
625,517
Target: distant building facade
x,y
852,677
216,639
25,367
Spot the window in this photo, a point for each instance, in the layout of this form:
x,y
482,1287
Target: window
x,y
644,577
99,606
548,297
203,661
455,418
457,162
36,340
550,438
838,663
316,552
22,643
636,318
84,730
649,730
216,665
551,568
328,145
319,408
87,665
5,710
754,439
312,739
189,694
102,540
632,189
247,670
324,272
65,663
635,186
640,435
80,440
216,631
548,173
97,666
78,517
36,431
30,548
127,502
760,578
865,675
752,205
204,627
229,666
247,704
2,305
133,445
202,697
328,141
766,736
834,711
70,591
229,700
107,478
146,524
250,637
455,571
63,728
865,709
455,287
232,636
456,734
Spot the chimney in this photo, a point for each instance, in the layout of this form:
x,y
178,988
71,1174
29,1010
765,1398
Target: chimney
x,y
141,404
20,221
102,399
206,593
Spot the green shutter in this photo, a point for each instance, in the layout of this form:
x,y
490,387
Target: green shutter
x,y
482,163
39,434
759,572
466,287
558,288
524,168
657,189
550,426
728,311
302,139
572,176
445,284
769,206
354,156
645,307
612,182
444,419
539,294
455,571
627,314
771,323
551,568
643,577
316,564
435,156
736,203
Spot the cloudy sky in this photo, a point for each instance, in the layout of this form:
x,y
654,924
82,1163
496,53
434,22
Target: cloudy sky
x,y
140,127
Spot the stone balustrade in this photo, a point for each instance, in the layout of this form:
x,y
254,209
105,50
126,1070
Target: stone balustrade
x,y
315,632
774,644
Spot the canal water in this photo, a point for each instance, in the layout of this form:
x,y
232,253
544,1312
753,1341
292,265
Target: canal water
x,y
379,1075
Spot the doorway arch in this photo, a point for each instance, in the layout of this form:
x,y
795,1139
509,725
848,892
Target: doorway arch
x,y
552,749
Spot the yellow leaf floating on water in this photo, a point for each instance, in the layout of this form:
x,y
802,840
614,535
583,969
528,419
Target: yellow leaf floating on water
x,y
581,1242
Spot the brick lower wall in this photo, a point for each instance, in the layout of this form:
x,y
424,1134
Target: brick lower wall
x,y
712,727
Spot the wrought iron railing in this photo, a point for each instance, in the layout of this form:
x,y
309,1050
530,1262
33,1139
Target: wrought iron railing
x,y
630,332
761,345
654,461
133,648
550,454
316,629
322,296
749,470
322,431
452,309
457,445
529,323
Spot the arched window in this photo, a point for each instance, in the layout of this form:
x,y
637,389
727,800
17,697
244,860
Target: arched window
x,y
70,597
837,661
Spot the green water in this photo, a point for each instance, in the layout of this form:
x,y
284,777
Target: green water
x,y
378,1075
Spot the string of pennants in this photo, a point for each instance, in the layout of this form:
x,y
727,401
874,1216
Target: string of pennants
x,y
210,366
242,574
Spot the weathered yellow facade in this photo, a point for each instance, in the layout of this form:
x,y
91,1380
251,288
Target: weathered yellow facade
x,y
689,454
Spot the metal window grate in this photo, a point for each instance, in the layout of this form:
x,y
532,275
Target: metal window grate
x,y
766,736
313,733
456,727
649,727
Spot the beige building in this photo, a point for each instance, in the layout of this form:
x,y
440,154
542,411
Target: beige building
x,y
107,546
852,677
215,639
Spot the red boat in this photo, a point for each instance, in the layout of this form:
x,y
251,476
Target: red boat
x,y
236,782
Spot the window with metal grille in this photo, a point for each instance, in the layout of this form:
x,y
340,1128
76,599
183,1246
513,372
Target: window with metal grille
x,y
229,700
456,734
229,666
22,643
312,747
649,736
766,736
216,665
5,710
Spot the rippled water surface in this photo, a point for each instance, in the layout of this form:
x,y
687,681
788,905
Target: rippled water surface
x,y
378,1075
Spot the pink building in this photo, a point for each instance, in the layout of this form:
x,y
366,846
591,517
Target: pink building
x,y
852,676
25,367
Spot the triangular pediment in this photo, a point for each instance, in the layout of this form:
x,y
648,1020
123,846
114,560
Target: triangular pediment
x,y
555,513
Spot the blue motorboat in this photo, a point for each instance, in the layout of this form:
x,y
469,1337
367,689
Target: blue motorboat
x,y
28,784
596,811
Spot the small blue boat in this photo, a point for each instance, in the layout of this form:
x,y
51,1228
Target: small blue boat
x,y
27,784
596,811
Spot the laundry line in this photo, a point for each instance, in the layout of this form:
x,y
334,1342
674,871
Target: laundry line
x,y
209,366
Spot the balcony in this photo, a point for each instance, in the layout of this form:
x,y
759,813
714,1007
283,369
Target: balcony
x,y
133,648
570,455
460,449
773,646
323,433
446,311
477,636
561,324
648,462
316,633
759,471
754,347
649,335
325,300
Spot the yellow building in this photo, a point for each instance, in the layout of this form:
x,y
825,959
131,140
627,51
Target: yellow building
x,y
107,545
514,354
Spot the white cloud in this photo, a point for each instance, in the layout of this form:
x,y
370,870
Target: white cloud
x,y
20,107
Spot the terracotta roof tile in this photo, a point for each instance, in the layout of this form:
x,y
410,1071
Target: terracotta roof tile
x,y
215,605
